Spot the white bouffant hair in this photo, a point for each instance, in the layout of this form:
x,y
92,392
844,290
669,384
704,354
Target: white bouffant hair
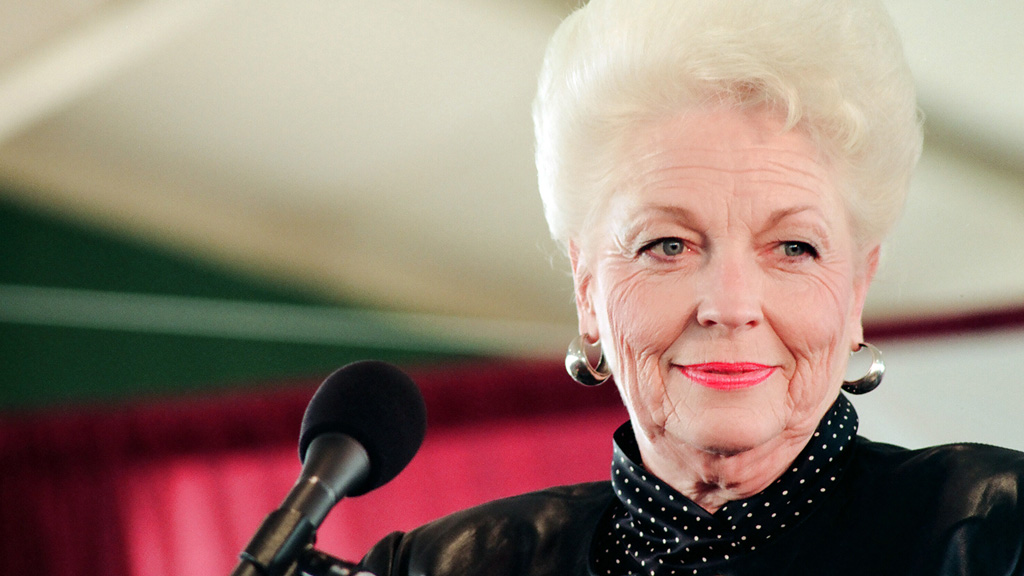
x,y
834,69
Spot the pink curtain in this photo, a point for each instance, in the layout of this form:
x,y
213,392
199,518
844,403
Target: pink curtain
x,y
180,487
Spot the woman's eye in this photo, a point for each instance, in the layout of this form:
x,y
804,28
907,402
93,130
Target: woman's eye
x,y
666,247
794,249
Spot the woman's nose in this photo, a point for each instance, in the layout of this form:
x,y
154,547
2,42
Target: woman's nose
x,y
731,293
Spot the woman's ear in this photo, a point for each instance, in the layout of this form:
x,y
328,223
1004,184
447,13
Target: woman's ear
x,y
583,289
863,275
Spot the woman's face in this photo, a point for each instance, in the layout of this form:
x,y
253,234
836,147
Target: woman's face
x,y
724,284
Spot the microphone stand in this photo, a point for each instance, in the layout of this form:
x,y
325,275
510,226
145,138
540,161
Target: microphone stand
x,y
310,562
313,562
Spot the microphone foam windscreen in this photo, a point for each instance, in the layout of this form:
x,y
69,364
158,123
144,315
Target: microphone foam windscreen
x,y
376,404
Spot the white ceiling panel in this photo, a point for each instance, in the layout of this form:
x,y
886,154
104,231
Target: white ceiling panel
x,y
382,152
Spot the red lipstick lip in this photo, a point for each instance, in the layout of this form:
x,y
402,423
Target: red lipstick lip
x,y
728,375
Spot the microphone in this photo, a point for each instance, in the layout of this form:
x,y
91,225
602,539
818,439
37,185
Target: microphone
x,y
361,428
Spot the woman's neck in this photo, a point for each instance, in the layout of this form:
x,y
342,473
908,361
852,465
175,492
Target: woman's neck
x,y
712,479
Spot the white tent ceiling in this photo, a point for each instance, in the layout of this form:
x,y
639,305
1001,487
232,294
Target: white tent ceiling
x,y
381,151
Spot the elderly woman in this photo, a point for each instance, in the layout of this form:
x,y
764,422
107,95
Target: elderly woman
x,y
721,175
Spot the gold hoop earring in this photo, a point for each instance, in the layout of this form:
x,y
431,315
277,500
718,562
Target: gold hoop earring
x,y
873,378
577,365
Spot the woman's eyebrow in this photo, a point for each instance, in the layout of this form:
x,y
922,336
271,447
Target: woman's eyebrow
x,y
635,226
817,223
778,216
678,213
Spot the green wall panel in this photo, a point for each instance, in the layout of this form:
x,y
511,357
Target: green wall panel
x,y
46,363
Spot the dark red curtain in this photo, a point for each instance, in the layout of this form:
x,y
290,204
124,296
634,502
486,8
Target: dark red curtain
x,y
179,487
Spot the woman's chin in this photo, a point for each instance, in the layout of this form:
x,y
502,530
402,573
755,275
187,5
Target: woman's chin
x,y
729,438
729,423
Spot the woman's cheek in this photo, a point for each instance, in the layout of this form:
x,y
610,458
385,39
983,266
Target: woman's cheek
x,y
639,330
805,322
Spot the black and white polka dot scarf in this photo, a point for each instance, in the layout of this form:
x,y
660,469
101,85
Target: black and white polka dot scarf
x,y
653,530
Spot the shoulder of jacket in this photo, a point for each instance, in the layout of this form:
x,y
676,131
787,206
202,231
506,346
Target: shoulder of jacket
x,y
516,530
983,459
562,499
967,479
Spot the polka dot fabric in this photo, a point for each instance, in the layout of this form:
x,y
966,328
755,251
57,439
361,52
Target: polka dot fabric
x,y
653,530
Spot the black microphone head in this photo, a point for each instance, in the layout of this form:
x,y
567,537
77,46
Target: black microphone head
x,y
377,405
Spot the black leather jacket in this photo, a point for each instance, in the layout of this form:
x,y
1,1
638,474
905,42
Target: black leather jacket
x,y
949,510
